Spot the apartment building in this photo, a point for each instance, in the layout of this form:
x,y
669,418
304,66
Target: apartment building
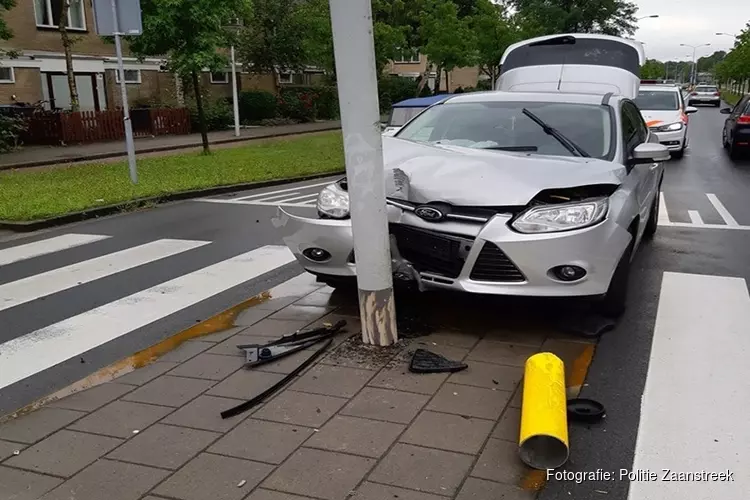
x,y
39,72
412,65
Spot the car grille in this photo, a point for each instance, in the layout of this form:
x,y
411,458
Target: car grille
x,y
429,251
493,265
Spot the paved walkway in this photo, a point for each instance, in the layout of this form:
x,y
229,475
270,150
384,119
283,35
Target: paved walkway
x,y
49,155
355,425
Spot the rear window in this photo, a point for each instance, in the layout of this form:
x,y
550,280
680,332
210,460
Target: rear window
x,y
706,89
571,50
655,100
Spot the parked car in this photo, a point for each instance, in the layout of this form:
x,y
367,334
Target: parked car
x,y
705,94
507,193
666,115
736,134
403,111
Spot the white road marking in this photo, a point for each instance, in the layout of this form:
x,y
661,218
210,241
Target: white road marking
x,y
663,213
694,407
308,198
24,356
695,217
277,196
722,210
707,226
261,195
44,284
50,245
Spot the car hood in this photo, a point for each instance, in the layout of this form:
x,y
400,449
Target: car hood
x,y
657,118
423,173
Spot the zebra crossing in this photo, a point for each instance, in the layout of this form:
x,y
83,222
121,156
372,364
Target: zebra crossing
x,y
299,196
26,353
697,220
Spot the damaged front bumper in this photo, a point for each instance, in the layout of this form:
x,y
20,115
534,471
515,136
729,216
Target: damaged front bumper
x,y
486,258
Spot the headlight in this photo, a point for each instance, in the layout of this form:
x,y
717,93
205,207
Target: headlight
x,y
554,218
333,202
672,127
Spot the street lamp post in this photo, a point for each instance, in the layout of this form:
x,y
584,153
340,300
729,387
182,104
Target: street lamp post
x,y
354,53
726,34
653,16
235,104
694,76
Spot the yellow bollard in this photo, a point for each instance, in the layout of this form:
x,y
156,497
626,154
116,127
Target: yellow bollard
x,y
543,441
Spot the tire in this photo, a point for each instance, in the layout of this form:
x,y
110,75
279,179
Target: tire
x,y
724,142
653,218
614,301
735,153
677,155
690,103
338,282
717,104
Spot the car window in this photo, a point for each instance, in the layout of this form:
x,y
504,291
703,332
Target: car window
x,y
706,89
634,129
497,125
740,107
586,51
656,100
399,116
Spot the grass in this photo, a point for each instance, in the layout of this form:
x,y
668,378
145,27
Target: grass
x,y
38,194
730,97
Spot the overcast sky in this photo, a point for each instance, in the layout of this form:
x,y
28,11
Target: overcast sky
x,y
692,22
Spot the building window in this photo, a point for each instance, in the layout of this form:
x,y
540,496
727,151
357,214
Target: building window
x,y
220,77
7,75
48,14
407,57
131,76
286,78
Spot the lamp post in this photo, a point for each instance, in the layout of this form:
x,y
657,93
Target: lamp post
x,y
694,76
726,34
234,26
653,16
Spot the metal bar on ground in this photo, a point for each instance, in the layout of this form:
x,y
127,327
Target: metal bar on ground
x,y
354,52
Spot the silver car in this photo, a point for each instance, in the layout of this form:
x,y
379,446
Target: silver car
x,y
705,94
507,193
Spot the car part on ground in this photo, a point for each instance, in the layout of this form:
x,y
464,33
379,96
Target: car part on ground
x,y
585,410
256,354
424,361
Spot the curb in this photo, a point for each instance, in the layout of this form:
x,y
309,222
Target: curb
x,y
128,206
215,324
156,149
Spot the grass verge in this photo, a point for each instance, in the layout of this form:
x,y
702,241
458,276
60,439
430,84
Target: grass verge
x,y
730,97
39,194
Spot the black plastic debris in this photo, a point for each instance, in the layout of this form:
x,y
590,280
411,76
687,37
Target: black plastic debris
x,y
585,410
425,361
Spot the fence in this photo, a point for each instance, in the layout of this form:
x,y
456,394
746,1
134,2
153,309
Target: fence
x,y
54,127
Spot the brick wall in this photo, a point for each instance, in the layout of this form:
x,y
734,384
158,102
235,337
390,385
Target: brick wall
x,y
26,35
156,87
28,87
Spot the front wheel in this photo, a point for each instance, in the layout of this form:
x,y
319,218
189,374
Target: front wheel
x,y
677,155
614,301
653,219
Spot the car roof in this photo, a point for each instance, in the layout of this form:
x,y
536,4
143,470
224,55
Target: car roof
x,y
421,102
509,96
660,88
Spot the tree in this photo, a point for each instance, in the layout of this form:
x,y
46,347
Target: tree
x,y
191,34
610,17
449,41
5,32
67,44
495,31
652,70
273,37
734,70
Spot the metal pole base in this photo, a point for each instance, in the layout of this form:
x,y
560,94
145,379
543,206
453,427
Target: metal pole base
x,y
378,312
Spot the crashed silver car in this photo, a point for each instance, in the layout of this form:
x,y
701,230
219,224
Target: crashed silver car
x,y
507,193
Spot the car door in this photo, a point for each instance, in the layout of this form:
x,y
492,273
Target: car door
x,y
635,132
731,122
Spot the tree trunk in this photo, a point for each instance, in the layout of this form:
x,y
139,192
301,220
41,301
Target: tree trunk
x,y
447,83
201,114
438,76
67,47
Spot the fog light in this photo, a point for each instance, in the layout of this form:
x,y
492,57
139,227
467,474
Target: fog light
x,y
568,273
316,254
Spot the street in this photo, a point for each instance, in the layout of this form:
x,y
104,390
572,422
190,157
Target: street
x,y
76,299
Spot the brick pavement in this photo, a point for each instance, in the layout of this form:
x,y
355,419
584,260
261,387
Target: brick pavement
x,y
355,425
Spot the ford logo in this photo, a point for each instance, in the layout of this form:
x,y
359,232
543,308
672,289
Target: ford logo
x,y
430,214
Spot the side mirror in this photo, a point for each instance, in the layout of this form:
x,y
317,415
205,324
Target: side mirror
x,y
690,110
649,152
726,111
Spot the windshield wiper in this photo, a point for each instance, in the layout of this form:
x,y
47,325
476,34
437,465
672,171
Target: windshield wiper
x,y
569,145
522,149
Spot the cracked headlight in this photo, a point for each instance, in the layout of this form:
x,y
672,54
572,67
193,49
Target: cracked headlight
x,y
333,202
672,127
563,217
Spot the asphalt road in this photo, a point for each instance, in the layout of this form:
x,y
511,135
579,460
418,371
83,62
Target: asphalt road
x,y
704,212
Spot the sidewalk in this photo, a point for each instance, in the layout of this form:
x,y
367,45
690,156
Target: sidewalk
x,y
355,425
50,155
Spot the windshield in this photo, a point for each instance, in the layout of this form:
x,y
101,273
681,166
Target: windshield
x,y
655,100
399,116
503,125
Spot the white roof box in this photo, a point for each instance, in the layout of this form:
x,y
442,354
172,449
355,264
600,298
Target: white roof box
x,y
575,62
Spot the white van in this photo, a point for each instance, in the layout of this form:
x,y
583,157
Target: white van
x,y
575,62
